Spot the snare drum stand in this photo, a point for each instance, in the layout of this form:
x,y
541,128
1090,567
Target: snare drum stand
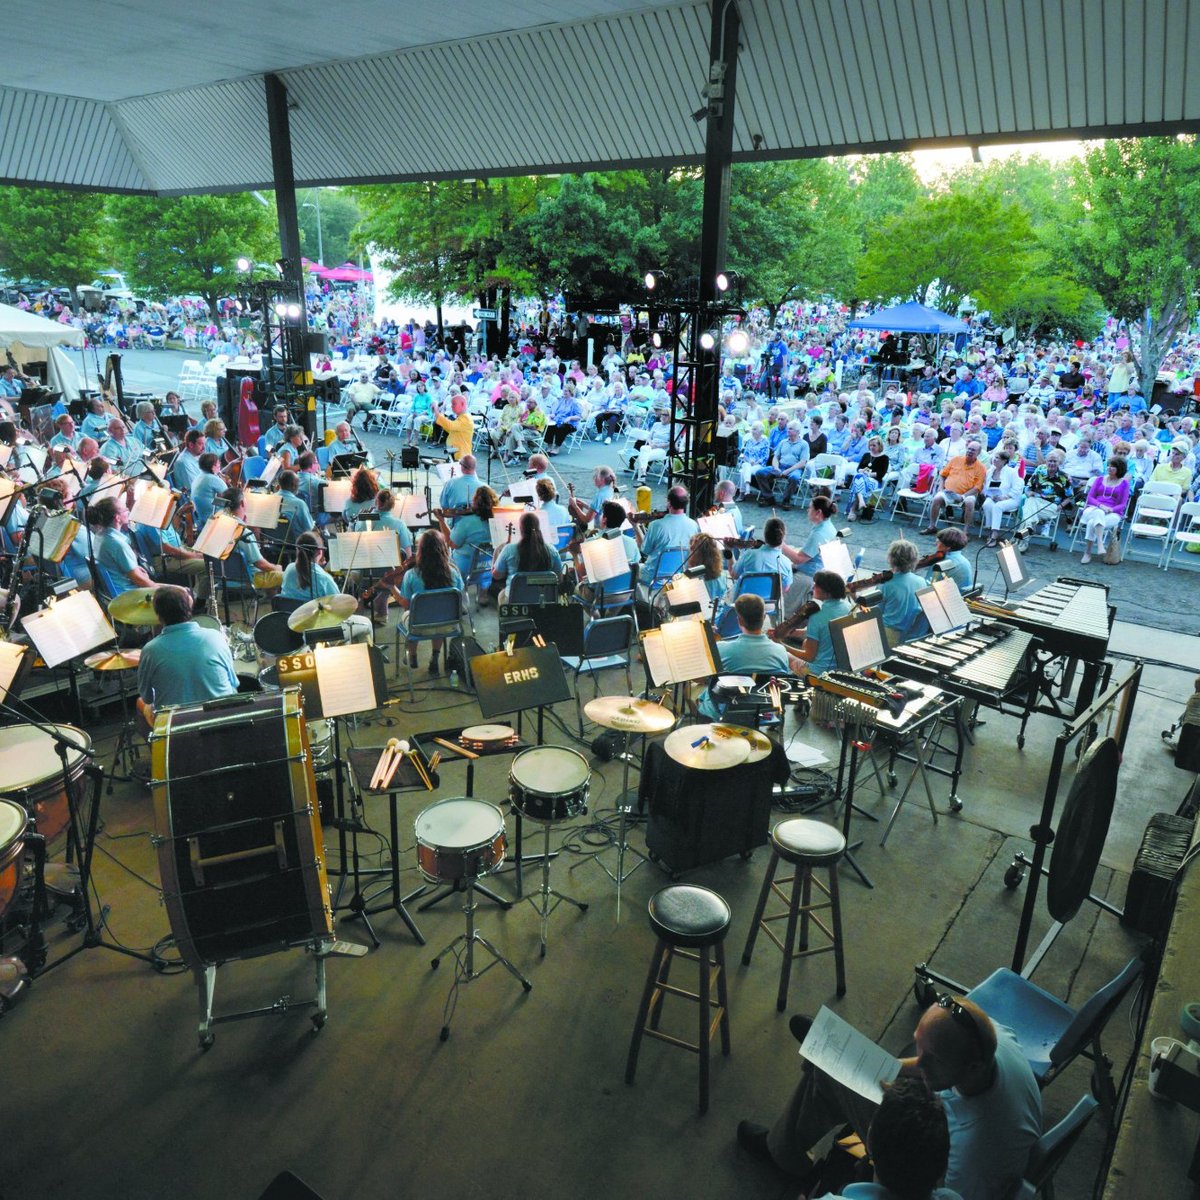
x,y
126,752
465,972
541,902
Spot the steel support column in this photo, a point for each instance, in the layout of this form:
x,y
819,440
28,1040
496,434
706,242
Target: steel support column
x,y
284,179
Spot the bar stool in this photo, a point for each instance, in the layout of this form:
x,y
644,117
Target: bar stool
x,y
690,922
808,846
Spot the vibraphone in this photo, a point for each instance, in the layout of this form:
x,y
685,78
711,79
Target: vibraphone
x,y
1071,620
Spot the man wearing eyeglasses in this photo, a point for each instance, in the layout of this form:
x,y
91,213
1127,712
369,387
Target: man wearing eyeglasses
x,y
992,1102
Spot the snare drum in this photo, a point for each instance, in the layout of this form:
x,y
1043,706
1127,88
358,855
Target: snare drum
x,y
31,774
549,783
459,839
320,741
13,820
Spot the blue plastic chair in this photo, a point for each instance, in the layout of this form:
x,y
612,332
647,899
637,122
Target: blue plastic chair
x,y
434,614
1052,1148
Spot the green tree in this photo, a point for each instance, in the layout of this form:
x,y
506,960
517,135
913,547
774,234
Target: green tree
x,y
339,215
51,235
189,245
946,247
885,185
1138,240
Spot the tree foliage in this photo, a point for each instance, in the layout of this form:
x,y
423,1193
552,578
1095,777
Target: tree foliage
x,y
885,185
1138,242
189,245
339,215
50,235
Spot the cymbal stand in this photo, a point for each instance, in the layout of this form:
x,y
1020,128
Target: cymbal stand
x,y
126,752
466,972
621,842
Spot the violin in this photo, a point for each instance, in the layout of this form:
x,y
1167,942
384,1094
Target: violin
x,y
389,579
644,518
797,620
883,576
742,543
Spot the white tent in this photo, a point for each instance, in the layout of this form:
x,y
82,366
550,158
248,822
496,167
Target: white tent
x,y
30,338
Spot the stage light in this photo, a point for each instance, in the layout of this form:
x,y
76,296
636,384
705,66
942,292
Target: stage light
x,y
737,343
656,340
655,280
708,339
727,280
280,308
244,264
293,311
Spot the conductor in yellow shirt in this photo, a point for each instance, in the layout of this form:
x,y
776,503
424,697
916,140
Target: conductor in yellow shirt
x,y
460,428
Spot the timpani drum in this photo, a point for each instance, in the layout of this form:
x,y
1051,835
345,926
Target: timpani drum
x,y
31,774
549,783
239,839
208,621
13,820
459,839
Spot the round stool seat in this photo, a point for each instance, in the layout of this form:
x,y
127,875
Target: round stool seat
x,y
809,843
687,915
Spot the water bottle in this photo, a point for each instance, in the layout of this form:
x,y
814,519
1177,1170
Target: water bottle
x,y
859,557
454,679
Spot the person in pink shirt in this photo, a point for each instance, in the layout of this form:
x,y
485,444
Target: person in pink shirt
x,y
1107,500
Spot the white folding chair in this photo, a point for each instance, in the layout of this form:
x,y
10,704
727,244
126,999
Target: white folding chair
x,y
1186,532
1153,520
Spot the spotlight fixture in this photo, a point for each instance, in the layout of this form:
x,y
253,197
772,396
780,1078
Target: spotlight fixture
x,y
708,339
656,340
655,280
244,264
293,311
737,343
727,280
700,114
280,308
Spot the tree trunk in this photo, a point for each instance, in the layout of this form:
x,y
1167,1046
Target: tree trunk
x,y
504,315
440,326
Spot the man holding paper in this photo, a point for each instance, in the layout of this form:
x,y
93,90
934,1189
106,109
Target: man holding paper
x,y
992,1102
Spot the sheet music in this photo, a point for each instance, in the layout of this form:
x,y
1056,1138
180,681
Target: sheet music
x,y
368,550
35,455
262,509
688,589
413,511
157,468
719,525
504,517
268,473
344,679
68,628
217,537
835,557
11,656
655,654
837,1048
334,495
604,558
935,613
953,602
153,507
447,471
55,537
524,490
688,651
863,645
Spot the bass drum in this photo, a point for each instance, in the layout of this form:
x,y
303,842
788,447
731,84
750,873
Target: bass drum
x,y
239,840
31,774
13,820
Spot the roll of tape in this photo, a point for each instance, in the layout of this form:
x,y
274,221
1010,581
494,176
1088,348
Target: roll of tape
x,y
1189,1021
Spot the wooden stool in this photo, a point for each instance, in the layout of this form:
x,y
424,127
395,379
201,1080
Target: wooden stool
x,y
690,922
808,846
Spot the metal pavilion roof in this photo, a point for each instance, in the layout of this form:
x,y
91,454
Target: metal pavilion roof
x,y
168,96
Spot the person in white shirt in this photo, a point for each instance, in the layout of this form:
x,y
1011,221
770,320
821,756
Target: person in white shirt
x,y
361,396
1002,492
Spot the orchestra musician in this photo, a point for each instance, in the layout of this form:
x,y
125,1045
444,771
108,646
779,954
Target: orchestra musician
x,y
808,558
903,619
345,441
605,481
292,447
186,663
186,468
815,654
671,532
768,559
363,489
459,491
612,517
294,513
750,653
119,566
278,431
723,501
705,551
207,486
65,436
215,441
431,570
306,578
267,576
556,513
955,565
120,449
529,554
146,429
470,532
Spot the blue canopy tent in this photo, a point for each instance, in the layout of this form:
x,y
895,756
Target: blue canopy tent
x,y
913,318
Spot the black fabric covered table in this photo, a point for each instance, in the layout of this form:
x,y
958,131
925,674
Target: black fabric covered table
x,y
698,817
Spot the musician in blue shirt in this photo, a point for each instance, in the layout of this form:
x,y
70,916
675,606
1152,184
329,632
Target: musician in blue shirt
x,y
206,487
459,491
750,653
902,615
951,542
767,559
385,506
816,655
306,579
294,514
186,468
186,663
114,554
672,532
278,432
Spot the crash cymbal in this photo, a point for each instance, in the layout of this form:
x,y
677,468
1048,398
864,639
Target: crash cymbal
x,y
487,733
134,607
113,660
760,744
629,714
322,613
706,748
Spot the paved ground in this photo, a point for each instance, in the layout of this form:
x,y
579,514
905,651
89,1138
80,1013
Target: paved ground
x,y
1143,594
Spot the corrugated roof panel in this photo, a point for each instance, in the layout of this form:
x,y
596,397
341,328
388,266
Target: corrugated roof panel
x,y
1133,99
931,37
1172,66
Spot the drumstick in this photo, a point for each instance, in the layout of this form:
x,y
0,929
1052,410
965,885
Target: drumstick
x,y
456,749
416,762
383,787
385,761
434,762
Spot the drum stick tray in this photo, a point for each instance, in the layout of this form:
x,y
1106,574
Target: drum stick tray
x,y
364,759
478,749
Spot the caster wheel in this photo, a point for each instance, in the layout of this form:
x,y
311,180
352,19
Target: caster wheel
x,y
955,804
1012,877
1053,547
583,908
445,1034
206,1042
891,779
318,1021
1020,741
924,993
746,855
433,966
527,986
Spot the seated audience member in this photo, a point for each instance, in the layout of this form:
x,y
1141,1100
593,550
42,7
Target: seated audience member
x,y
1002,491
1175,468
962,480
1047,493
788,465
186,663
977,1069
1106,503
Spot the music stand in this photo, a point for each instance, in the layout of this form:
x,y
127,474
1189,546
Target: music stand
x,y
16,662
339,681
342,466
512,681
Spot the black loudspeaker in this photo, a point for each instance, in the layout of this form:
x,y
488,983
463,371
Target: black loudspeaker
x,y
314,341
